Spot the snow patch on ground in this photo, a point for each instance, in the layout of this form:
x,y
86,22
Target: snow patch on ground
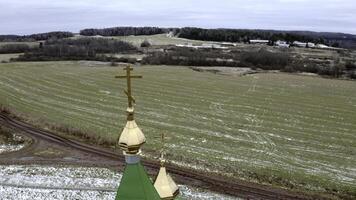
x,y
10,148
52,183
16,143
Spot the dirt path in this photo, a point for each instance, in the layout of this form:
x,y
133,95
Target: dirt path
x,y
49,148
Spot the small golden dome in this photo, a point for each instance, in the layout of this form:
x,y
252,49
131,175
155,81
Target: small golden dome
x,y
131,138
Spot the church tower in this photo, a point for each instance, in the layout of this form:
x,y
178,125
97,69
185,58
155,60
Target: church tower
x,y
135,183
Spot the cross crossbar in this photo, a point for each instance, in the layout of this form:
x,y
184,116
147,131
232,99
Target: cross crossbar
x,y
128,77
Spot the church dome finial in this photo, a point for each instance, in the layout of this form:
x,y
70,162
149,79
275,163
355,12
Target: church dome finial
x,y
131,138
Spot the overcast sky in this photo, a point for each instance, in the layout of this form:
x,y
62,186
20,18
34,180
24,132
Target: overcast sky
x,y
33,16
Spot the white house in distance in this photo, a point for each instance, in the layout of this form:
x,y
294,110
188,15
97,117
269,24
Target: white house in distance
x,y
259,41
322,46
311,45
229,44
300,44
203,46
304,44
282,44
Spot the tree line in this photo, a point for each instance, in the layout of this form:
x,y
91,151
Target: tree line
x,y
242,35
36,37
124,31
341,40
78,49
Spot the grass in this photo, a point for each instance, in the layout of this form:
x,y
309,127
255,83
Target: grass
x,y
7,57
159,39
31,44
289,130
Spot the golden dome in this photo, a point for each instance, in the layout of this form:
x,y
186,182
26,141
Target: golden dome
x,y
131,138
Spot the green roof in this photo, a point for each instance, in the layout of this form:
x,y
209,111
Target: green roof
x,y
136,185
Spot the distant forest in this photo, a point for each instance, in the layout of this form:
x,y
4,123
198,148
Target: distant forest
x,y
124,31
35,37
237,35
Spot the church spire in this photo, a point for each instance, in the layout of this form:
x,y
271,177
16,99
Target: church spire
x,y
164,184
131,138
135,183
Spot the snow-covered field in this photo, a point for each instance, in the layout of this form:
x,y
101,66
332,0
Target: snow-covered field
x,y
80,183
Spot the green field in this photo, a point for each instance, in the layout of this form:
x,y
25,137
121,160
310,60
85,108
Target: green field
x,y
289,130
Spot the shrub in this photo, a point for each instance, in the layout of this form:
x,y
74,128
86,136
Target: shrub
x,y
350,66
113,64
290,69
353,75
145,43
267,60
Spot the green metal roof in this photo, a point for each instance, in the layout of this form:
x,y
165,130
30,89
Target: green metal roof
x,y
136,185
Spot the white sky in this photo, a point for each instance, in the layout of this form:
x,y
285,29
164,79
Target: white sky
x,y
33,16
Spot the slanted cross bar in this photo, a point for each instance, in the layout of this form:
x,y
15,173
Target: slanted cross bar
x,y
128,77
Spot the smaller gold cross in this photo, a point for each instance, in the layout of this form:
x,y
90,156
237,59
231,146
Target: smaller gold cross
x,y
128,92
163,161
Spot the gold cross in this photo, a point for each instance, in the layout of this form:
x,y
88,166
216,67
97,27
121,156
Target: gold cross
x,y
128,92
163,161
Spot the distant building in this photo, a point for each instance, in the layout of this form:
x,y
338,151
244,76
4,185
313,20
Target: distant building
x,y
207,46
311,45
259,41
203,46
282,44
322,46
170,34
300,44
228,44
189,45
